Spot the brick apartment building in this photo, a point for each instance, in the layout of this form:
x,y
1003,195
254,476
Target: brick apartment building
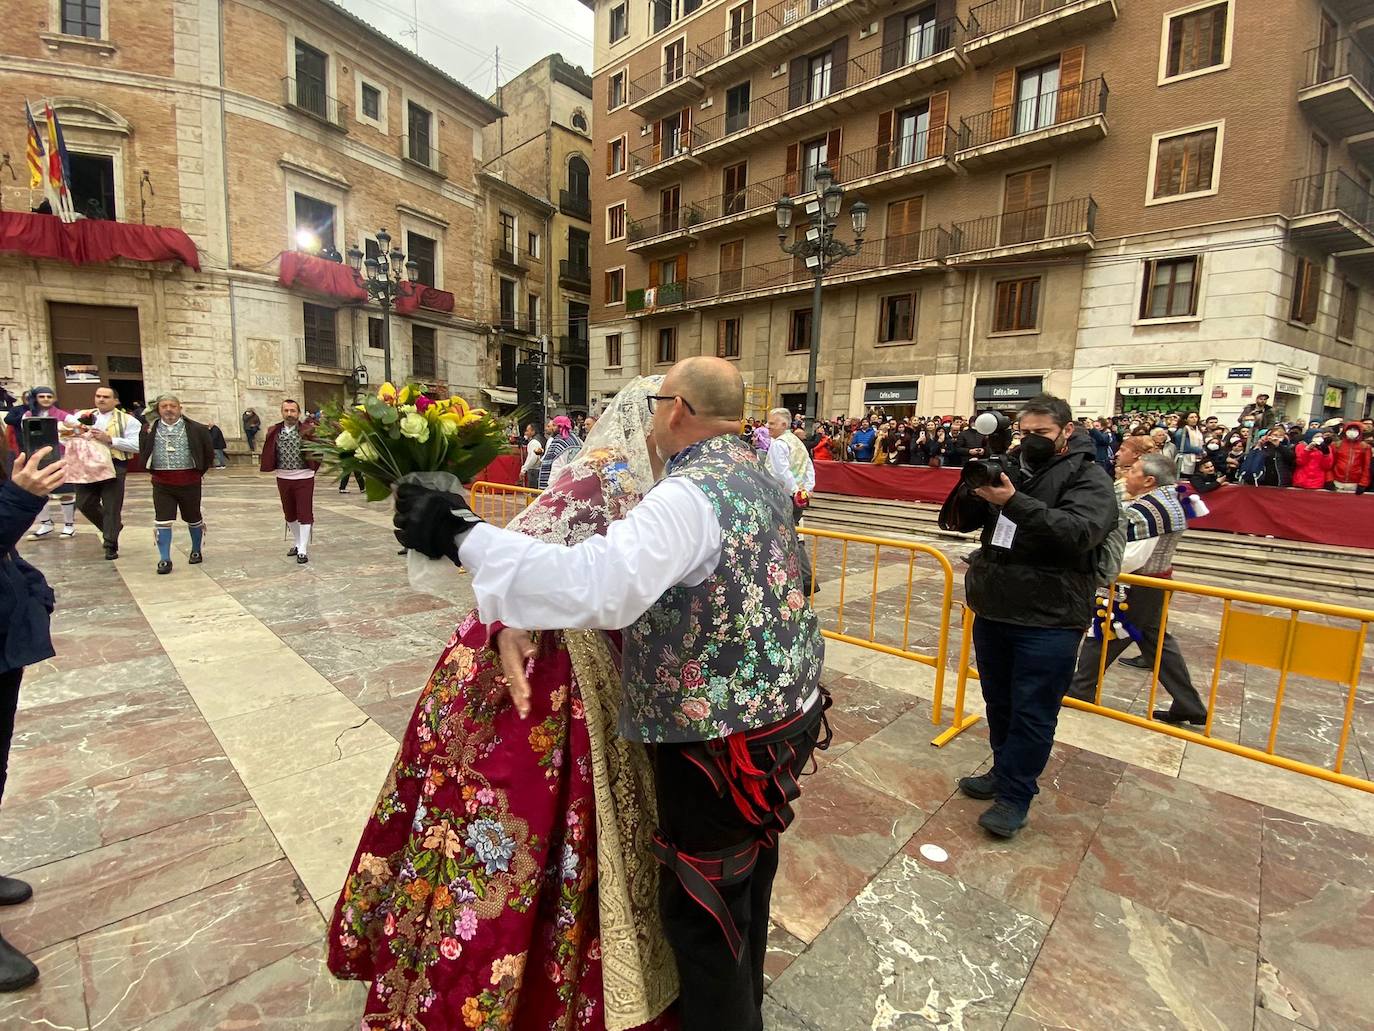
x,y
259,127
1128,203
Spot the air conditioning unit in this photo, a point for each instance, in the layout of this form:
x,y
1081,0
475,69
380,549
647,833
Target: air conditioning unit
x,y
780,69
868,30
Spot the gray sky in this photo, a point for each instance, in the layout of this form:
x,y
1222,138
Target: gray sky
x,y
461,36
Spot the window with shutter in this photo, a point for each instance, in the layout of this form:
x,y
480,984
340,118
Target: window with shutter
x,y
731,266
1073,101
1307,285
1185,163
422,351
612,350
1016,305
727,338
1170,288
1003,102
1025,206
1196,40
615,286
615,222
904,230
734,189
896,319
913,128
615,156
799,332
667,345
1350,309
741,26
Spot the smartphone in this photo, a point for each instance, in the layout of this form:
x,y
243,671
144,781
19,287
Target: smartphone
x,y
37,433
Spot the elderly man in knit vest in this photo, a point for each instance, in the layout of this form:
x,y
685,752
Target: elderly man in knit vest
x,y
1155,522
721,668
176,452
284,453
791,466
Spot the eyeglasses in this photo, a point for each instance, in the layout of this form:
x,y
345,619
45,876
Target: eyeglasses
x,y
653,400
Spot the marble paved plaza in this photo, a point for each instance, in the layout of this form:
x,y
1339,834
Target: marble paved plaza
x,y
191,771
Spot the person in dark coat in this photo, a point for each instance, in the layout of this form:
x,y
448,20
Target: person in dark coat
x,y
252,425
176,451
217,442
26,604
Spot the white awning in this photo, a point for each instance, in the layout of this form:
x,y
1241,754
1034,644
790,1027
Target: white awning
x,y
500,395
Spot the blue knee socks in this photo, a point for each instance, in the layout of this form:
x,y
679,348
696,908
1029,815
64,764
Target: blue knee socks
x,y
164,543
197,535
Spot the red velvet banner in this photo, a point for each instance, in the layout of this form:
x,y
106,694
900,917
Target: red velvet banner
x,y
416,295
1314,516
321,276
91,241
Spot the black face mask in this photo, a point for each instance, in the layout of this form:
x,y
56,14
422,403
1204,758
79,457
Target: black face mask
x,y
1037,451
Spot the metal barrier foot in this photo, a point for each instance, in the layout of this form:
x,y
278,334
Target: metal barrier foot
x,y
950,733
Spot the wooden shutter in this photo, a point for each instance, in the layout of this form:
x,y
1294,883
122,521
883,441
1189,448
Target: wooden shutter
x,y
832,152
1024,208
796,83
1003,99
658,140
653,274
894,41
939,117
720,338
682,272
790,182
903,227
883,154
839,64
1073,102
686,125
610,161
731,266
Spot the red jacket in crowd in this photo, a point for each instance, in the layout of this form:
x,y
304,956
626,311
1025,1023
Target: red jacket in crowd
x,y
1350,459
1314,467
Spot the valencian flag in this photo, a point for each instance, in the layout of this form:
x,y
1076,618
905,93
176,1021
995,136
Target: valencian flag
x,y
35,151
59,168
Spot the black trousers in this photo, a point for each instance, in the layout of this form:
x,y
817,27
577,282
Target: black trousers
x,y
103,504
9,705
1146,608
804,543
169,498
718,991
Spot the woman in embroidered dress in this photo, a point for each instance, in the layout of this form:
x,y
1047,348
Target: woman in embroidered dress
x,y
504,880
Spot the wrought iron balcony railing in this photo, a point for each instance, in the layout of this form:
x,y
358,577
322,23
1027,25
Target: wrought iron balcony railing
x,y
1029,226
1041,111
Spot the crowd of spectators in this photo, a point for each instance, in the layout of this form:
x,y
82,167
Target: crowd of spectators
x,y
1260,449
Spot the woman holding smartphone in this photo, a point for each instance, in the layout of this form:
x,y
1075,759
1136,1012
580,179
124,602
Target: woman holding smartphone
x,y
43,404
26,604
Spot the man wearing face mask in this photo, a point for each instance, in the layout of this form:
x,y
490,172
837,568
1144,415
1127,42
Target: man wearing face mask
x,y
1350,461
1031,585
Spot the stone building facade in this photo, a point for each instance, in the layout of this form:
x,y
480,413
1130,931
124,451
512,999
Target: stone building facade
x,y
1147,204
260,128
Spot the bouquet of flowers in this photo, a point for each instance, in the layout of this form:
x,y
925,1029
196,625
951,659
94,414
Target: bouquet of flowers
x,y
410,435
399,433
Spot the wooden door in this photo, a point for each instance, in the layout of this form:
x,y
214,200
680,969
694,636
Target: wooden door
x,y
731,266
1327,34
1025,206
670,203
904,230
93,344
734,189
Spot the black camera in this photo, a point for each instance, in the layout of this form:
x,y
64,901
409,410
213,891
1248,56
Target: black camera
x,y
987,472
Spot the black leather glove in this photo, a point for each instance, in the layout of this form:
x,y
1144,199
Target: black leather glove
x,y
432,522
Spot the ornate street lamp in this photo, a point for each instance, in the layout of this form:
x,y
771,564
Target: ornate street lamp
x,y
820,250
383,276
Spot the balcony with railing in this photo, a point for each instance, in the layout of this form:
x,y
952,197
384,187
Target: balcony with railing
x,y
671,86
575,275
512,259
510,321
856,84
1038,124
1068,227
661,161
420,153
1333,212
664,229
774,31
1003,28
1338,88
574,349
308,97
906,159
575,205
879,258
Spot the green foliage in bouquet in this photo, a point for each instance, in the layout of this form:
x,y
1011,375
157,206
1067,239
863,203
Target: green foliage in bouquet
x,y
396,432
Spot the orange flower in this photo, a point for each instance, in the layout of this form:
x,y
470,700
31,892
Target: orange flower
x,y
443,898
418,891
473,1016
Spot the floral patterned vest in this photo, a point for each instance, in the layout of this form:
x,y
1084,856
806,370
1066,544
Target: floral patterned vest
x,y
742,650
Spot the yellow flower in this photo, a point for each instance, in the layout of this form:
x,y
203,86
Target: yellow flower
x,y
345,441
407,394
415,426
457,404
387,393
473,1016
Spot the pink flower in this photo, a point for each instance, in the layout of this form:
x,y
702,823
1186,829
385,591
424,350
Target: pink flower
x,y
486,796
696,708
691,675
422,402
795,600
577,709
553,971
390,926
467,923
450,949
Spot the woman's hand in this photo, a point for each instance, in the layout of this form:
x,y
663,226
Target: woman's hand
x,y
516,649
27,476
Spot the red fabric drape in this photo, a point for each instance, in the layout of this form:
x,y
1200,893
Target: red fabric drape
x,y
1314,516
416,295
318,275
89,241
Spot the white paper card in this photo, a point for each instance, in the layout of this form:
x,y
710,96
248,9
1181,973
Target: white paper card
x,y
1004,532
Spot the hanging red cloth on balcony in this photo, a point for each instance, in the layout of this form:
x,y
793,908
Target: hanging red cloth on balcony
x,y
89,241
320,276
416,295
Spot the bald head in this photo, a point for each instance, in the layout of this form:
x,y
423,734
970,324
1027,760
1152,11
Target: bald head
x,y
712,385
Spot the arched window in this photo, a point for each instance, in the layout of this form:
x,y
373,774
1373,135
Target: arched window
x,y
579,178
579,121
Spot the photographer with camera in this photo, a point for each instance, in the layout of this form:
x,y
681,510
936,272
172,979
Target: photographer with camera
x,y
1043,514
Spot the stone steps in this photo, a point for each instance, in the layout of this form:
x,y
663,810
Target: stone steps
x,y
1332,574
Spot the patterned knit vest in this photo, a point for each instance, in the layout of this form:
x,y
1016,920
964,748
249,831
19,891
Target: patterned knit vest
x,y
742,650
289,454
1157,514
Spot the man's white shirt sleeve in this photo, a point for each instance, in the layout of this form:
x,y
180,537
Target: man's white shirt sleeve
x,y
1137,553
605,583
810,476
779,465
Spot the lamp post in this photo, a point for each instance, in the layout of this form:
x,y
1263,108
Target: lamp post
x,y
820,250
382,276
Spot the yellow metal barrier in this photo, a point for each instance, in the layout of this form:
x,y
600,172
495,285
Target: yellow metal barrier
x,y
1286,644
910,550
499,502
